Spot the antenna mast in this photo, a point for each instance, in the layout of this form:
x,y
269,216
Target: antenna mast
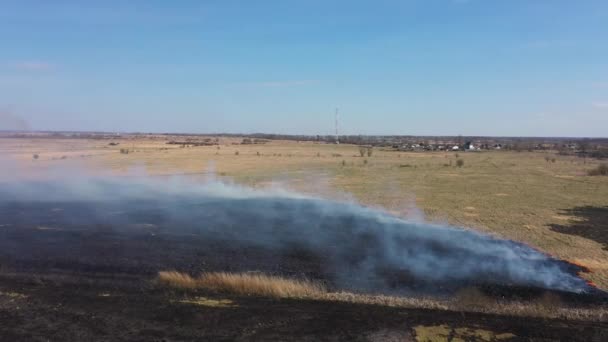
x,y
337,139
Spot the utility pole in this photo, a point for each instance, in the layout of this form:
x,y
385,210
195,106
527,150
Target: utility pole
x,y
337,139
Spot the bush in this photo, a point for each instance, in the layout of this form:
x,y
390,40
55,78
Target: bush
x,y
370,150
35,156
236,153
362,151
600,170
460,163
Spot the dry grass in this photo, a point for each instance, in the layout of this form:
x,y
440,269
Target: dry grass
x,y
260,284
467,300
255,284
177,280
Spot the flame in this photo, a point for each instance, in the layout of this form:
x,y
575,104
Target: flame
x,y
583,268
591,283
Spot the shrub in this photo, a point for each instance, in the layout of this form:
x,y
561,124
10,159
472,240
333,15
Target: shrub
x,y
35,156
370,150
365,162
343,163
457,155
362,151
460,163
258,153
553,160
600,170
236,153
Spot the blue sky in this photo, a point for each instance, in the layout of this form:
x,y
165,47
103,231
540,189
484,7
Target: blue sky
x,y
422,67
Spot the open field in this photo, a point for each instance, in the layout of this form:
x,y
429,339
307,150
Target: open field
x,y
552,206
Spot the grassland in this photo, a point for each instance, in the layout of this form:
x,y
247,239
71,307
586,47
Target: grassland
x,y
553,206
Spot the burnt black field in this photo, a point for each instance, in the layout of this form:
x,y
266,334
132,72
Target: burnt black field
x,y
113,226
78,262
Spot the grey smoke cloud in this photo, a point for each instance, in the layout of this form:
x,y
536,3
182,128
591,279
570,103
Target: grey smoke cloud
x,y
359,248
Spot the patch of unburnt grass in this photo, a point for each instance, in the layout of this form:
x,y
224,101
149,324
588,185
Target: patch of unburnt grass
x,y
548,305
254,284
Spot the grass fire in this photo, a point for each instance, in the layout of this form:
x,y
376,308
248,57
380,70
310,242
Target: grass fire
x,y
347,246
190,254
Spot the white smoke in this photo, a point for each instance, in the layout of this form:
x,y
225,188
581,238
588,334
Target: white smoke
x,y
360,248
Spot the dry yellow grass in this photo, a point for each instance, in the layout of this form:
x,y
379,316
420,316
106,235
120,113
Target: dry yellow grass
x,y
468,300
177,280
260,284
255,284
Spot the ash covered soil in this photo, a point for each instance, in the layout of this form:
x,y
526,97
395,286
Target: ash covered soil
x,y
74,269
117,310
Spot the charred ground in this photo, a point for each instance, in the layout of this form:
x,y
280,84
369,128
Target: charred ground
x,y
68,276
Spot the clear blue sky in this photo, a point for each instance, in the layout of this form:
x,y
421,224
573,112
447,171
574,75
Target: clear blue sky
x,y
423,67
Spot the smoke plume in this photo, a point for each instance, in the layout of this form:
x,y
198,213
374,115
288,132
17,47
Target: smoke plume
x,y
350,246
12,122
